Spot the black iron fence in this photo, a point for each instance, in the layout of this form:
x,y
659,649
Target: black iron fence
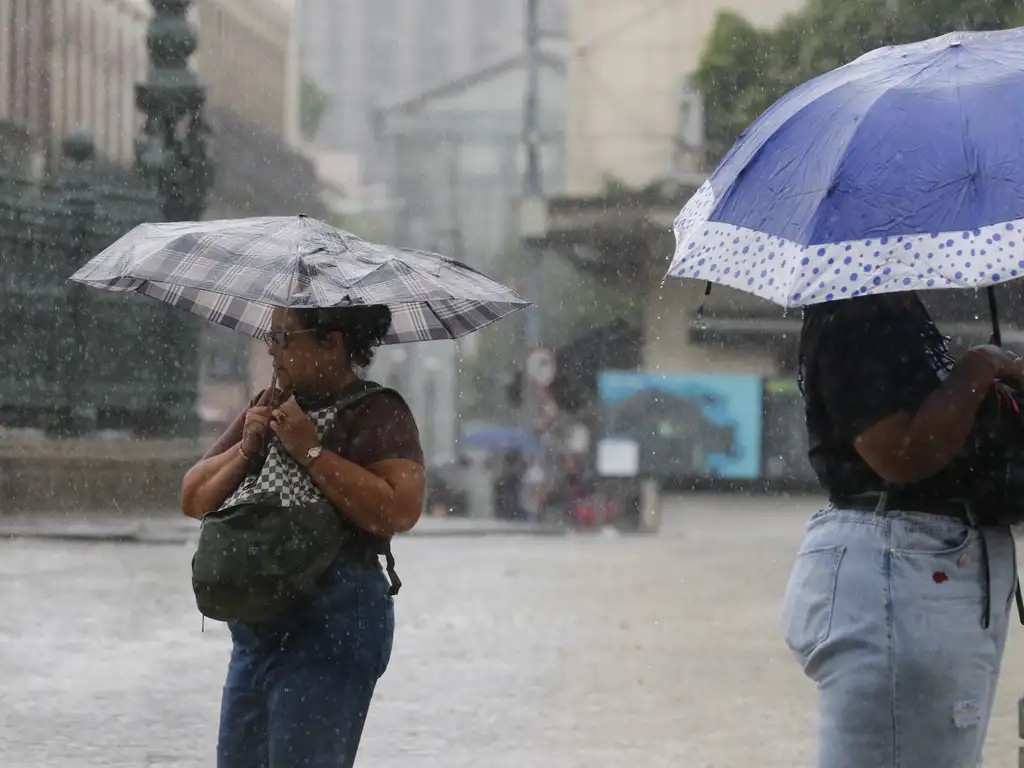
x,y
76,360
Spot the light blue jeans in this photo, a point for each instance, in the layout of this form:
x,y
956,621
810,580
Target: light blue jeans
x,y
885,611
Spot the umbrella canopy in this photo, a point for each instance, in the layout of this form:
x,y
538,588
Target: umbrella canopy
x,y
902,170
234,272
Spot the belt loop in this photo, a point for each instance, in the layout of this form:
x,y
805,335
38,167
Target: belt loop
x,y
883,503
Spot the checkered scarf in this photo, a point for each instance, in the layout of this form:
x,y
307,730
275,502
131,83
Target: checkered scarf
x,y
283,476
234,272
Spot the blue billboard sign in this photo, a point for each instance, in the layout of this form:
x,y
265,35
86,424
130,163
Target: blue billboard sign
x,y
687,426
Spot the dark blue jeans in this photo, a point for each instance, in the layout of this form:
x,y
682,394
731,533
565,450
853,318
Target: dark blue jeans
x,y
299,686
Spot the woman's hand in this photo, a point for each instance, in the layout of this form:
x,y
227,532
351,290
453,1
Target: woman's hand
x,y
1005,364
909,447
214,477
294,429
256,427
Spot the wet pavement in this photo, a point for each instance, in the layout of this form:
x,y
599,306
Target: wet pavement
x,y
171,527
580,650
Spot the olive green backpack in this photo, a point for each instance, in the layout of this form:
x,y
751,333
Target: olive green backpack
x,y
275,536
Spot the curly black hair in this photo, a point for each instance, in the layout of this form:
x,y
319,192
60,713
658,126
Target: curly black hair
x,y
364,328
909,323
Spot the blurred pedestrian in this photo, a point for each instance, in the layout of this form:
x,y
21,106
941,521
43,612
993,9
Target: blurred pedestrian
x,y
575,487
299,685
507,487
533,491
898,604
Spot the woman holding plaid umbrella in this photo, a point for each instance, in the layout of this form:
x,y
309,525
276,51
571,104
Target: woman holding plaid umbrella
x,y
327,447
299,686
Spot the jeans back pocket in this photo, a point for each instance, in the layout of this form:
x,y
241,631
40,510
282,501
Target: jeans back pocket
x,y
941,561
933,538
810,598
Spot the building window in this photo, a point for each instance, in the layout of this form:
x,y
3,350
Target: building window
x,y
434,45
494,30
381,47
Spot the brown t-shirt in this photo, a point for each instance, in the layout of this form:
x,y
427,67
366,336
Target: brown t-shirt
x,y
378,428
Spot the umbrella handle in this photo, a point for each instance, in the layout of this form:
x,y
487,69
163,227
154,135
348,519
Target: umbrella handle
x,y
997,337
273,390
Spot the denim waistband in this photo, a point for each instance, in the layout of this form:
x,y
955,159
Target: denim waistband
x,y
881,502
887,519
350,562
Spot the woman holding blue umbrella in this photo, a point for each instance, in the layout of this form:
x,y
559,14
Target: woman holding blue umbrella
x,y
898,605
899,172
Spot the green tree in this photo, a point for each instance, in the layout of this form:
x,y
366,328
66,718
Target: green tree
x,y
743,70
313,103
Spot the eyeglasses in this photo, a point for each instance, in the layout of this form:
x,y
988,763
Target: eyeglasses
x,y
279,339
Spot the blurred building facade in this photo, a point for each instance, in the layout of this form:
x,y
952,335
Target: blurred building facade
x,y
245,59
69,64
453,161
634,140
365,54
633,116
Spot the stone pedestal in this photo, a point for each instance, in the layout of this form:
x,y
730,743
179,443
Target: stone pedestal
x,y
112,474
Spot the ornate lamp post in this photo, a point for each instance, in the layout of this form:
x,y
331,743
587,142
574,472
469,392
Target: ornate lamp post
x,y
173,149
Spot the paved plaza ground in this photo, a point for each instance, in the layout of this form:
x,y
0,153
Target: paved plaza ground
x,y
549,651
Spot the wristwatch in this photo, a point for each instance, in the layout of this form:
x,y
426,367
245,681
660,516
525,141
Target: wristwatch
x,y
312,455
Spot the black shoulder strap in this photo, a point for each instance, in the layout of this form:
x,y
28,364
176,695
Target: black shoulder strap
x,y
382,545
368,389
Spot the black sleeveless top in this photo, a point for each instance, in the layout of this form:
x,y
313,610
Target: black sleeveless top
x,y
861,361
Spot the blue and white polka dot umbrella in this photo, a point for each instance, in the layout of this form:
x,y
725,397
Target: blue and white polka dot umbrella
x,y
901,170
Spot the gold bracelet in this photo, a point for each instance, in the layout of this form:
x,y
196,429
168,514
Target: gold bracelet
x,y
244,455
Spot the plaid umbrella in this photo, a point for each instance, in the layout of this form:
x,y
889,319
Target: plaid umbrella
x,y
235,271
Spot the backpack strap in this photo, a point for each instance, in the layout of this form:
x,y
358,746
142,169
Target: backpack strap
x,y
396,583
368,389
379,544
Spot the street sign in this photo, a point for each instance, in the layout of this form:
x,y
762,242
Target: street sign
x,y
540,367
